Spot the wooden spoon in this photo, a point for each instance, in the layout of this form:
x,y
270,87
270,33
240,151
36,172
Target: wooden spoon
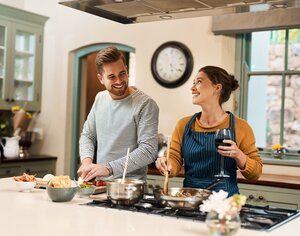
x,y
166,182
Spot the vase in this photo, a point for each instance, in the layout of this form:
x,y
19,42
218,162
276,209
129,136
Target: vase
x,y
226,225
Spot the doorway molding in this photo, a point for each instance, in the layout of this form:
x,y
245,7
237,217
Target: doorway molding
x,y
78,55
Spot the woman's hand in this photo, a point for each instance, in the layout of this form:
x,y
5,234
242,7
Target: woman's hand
x,y
234,152
161,165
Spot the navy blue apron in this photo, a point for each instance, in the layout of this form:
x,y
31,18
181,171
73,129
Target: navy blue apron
x,y
202,161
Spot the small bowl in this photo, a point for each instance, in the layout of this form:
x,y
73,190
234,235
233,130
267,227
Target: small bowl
x,y
61,194
25,186
83,192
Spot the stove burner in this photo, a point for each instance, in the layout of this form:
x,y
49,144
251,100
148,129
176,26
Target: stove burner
x,y
252,217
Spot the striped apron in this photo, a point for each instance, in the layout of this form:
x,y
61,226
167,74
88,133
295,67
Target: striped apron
x,y
202,161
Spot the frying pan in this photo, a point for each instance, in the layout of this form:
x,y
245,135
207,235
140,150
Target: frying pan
x,y
191,201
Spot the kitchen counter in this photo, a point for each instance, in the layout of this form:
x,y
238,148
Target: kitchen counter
x,y
34,214
281,181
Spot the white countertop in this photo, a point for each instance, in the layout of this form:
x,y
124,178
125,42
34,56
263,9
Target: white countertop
x,y
34,214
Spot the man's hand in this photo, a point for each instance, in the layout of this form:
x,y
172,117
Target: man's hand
x,y
86,166
96,170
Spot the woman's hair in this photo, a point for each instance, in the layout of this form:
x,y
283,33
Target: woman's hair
x,y
218,75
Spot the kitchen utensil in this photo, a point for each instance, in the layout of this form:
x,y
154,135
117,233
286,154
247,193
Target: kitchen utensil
x,y
166,182
11,147
84,192
126,164
25,186
61,194
191,202
127,193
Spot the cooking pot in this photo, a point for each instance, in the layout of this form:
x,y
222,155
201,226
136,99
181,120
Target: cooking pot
x,y
184,198
127,193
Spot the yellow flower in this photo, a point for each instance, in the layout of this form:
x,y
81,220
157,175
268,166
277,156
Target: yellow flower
x,y
29,116
276,146
15,108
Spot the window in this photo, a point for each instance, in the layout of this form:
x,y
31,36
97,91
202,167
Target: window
x,y
271,86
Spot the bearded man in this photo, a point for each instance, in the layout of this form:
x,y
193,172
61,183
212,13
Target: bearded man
x,y
121,117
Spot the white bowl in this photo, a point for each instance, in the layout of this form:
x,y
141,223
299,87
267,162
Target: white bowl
x,y
25,186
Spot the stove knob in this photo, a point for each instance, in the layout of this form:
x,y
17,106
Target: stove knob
x,y
157,186
250,197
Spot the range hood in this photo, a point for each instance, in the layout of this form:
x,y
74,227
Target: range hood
x,y
136,11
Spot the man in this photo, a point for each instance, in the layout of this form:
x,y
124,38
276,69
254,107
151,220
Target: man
x,y
122,117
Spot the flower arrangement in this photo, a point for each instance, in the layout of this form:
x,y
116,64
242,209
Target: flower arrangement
x,y
21,119
278,150
223,213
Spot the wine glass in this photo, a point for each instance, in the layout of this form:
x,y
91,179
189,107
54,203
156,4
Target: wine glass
x,y
220,136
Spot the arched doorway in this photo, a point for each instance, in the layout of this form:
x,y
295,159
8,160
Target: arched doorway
x,y
83,57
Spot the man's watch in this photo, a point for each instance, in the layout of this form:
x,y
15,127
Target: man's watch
x,y
110,170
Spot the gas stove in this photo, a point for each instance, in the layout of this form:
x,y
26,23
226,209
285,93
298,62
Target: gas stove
x,y
252,217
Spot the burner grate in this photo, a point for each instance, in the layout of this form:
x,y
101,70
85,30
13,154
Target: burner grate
x,y
252,217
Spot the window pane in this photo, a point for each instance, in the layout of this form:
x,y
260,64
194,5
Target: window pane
x,y
292,112
264,106
267,50
294,49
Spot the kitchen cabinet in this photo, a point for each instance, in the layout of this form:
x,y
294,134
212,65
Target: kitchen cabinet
x,y
157,181
260,195
39,166
21,43
272,196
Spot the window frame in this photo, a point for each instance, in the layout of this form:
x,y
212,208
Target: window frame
x,y
243,72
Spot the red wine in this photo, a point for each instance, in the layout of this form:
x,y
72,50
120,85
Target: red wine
x,y
219,142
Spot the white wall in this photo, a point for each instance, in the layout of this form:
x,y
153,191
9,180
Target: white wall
x,y
68,29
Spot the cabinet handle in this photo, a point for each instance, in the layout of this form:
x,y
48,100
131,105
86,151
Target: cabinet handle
x,y
261,198
251,197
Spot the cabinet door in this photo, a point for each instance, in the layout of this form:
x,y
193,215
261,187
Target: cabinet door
x,y
25,85
5,58
39,169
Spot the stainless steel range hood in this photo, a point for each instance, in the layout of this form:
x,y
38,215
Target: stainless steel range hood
x,y
136,11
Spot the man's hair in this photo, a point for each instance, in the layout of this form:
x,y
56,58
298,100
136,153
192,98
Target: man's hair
x,y
108,55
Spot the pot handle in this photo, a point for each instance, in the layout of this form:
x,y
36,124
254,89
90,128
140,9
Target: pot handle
x,y
213,184
130,188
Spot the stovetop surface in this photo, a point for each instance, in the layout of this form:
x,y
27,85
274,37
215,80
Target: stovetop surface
x,y
252,217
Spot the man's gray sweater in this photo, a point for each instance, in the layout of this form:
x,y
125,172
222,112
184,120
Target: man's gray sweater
x,y
115,125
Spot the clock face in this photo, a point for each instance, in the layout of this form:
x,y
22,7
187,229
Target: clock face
x,y
172,64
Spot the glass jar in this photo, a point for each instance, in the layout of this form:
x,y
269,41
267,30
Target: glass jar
x,y
223,226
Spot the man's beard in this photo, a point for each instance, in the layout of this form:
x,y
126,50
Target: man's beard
x,y
119,91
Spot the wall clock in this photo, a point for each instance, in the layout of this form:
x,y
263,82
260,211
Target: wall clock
x,y
172,64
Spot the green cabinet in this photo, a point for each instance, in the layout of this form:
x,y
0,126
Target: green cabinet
x,y
35,166
157,181
21,44
273,196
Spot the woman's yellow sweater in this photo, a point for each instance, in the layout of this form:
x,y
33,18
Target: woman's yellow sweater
x,y
245,141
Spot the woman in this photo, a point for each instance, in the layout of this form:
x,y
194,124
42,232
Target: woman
x,y
193,140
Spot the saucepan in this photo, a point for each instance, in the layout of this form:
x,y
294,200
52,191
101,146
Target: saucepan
x,y
127,193
184,198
